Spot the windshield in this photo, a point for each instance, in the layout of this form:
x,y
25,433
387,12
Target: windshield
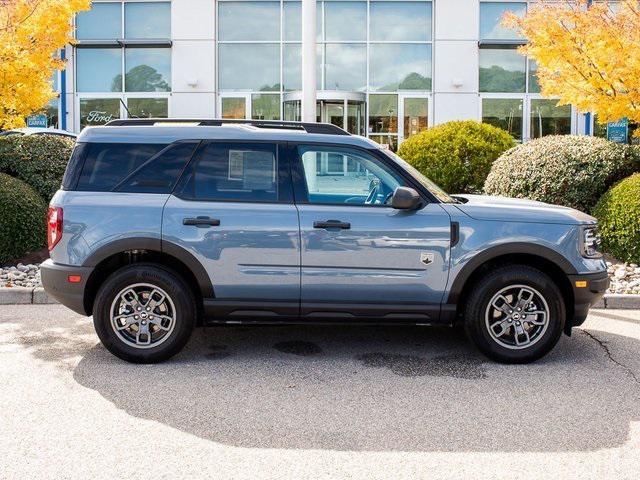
x,y
434,189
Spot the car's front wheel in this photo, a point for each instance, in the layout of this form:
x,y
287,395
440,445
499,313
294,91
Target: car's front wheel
x,y
515,314
144,313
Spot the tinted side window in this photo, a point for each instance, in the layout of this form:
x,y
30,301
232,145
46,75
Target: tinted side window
x,y
160,173
107,164
234,172
74,166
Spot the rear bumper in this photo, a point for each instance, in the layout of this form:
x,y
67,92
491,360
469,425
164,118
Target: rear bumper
x,y
585,297
55,280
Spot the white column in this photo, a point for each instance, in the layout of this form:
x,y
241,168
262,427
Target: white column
x,y
308,60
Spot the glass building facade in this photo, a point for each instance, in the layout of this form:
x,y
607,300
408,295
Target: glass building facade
x,y
386,69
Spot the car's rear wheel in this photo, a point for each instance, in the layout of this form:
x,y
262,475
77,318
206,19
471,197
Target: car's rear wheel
x,y
144,313
515,314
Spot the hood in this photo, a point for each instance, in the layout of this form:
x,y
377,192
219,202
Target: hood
x,y
503,209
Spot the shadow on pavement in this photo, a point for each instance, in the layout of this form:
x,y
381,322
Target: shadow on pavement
x,y
375,389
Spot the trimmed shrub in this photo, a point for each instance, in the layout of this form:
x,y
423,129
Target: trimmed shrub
x,y
38,160
618,214
23,219
456,155
565,170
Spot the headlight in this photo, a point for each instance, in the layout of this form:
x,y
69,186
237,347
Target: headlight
x,y
590,242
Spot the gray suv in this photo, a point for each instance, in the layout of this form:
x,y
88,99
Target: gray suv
x,y
160,226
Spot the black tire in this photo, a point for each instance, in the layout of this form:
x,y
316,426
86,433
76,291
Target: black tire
x,y
482,294
182,300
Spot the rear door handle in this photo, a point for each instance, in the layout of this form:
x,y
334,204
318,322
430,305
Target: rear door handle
x,y
332,224
201,222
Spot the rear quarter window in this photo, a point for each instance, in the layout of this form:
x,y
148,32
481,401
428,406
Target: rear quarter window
x,y
107,164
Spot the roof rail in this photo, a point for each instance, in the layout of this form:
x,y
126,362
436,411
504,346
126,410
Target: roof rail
x,y
323,128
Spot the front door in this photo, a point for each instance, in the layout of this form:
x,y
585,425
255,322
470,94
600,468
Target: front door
x,y
233,210
359,255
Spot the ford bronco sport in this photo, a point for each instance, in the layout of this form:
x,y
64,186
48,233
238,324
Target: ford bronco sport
x,y
160,226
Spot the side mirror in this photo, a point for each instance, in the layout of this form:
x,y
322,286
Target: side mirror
x,y
405,198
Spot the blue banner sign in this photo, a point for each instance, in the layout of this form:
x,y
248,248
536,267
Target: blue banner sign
x,y
618,131
37,121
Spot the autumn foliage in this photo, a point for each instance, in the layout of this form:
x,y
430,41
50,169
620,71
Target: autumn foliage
x,y
31,33
587,54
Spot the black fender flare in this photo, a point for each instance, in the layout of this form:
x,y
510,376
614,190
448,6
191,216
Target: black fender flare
x,y
511,248
155,245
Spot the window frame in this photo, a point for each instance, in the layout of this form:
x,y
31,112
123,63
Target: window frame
x,y
123,97
284,185
526,111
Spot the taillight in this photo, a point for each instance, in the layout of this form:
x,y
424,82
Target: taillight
x,y
54,226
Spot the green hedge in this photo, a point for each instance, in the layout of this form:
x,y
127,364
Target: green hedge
x,y
618,214
565,170
456,155
38,160
22,219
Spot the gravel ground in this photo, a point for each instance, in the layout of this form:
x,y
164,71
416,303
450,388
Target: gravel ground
x,y
625,278
316,403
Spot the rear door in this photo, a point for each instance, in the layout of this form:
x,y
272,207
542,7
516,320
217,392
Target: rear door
x,y
360,256
233,210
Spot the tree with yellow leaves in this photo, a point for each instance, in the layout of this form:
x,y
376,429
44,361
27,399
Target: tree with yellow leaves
x,y
587,54
31,33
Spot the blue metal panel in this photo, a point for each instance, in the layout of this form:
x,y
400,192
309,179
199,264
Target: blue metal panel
x,y
93,220
63,96
254,254
379,259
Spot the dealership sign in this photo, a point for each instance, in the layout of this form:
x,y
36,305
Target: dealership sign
x,y
618,131
37,121
97,116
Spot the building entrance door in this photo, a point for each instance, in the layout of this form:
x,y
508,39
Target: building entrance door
x,y
343,109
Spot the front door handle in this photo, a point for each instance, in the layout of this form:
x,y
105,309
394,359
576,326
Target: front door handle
x,y
332,224
201,222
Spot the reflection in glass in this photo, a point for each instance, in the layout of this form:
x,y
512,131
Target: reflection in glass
x,y
233,108
292,110
504,113
292,66
333,112
502,70
355,117
415,115
102,22
400,67
345,21
147,20
534,86
51,110
345,66
99,69
148,69
383,113
548,119
265,107
249,21
400,21
148,107
249,67
98,111
491,14
387,141
292,12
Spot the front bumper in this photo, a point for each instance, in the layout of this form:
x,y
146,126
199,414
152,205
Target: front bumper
x,y
55,280
585,296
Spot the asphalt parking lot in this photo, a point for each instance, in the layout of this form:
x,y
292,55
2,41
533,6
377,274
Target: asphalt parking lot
x,y
316,402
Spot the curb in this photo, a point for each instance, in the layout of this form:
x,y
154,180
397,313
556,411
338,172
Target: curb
x,y
37,296
24,296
